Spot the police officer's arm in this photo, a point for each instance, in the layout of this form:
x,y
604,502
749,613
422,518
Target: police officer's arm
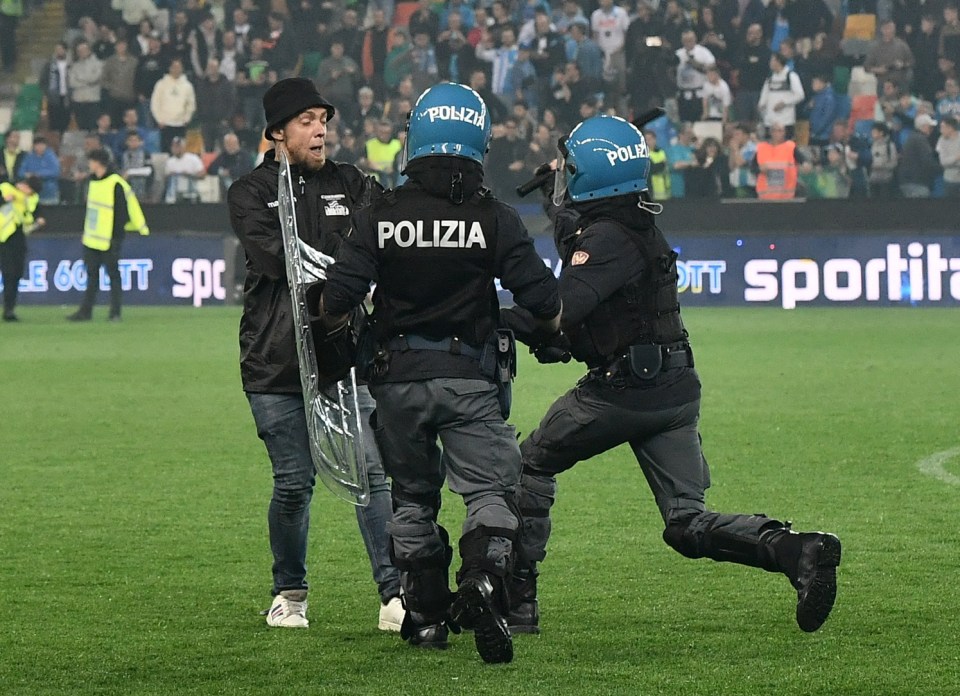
x,y
522,271
257,226
598,267
348,280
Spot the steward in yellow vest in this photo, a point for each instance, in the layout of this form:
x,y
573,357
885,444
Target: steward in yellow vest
x,y
112,211
16,222
659,170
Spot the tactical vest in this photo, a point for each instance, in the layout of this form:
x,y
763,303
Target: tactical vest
x,y
436,266
17,212
646,311
98,224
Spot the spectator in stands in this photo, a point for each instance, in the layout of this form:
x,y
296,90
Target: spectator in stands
x,y
918,162
12,157
134,12
182,170
177,44
10,13
478,83
206,42
367,107
659,168
350,35
84,79
381,152
569,91
106,43
74,185
110,137
425,19
376,46
526,123
280,45
501,58
948,151
708,174
351,151
822,110
399,64
241,27
423,61
949,47
119,81
455,56
547,48
570,13
499,20
53,79
776,164
742,149
396,108
140,43
149,136
716,97
949,105
680,158
42,162
925,46
752,68
173,103
522,80
675,22
890,58
233,161
507,157
586,53
781,94
609,24
216,100
456,7
135,165
338,75
883,162
830,178
808,18
712,37
150,70
693,60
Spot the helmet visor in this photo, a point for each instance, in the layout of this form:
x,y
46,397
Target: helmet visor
x,y
560,176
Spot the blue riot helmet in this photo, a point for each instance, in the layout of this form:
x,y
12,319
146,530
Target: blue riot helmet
x,y
448,119
604,156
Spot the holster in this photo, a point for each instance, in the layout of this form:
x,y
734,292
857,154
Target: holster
x,y
498,363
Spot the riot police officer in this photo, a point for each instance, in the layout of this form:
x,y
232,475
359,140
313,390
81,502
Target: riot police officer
x,y
621,315
434,247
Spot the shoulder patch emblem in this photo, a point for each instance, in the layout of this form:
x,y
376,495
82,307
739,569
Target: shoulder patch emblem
x,y
579,258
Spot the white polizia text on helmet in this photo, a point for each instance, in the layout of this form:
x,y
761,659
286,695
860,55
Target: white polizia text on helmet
x,y
456,113
625,154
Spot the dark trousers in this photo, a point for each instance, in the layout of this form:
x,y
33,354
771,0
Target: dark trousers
x,y
8,40
58,112
93,260
13,258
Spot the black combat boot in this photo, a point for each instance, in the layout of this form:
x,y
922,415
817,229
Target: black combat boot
x,y
809,560
524,616
475,607
422,632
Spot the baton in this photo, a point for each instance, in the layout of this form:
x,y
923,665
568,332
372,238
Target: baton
x,y
542,177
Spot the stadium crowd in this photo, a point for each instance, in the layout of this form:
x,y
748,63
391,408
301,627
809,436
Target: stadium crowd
x,y
775,99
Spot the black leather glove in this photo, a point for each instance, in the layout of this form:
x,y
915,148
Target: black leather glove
x,y
551,354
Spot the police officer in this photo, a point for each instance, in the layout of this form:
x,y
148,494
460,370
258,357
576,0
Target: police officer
x,y
112,211
434,247
326,193
18,218
621,315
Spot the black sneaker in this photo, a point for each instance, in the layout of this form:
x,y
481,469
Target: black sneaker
x,y
816,581
474,608
11,317
525,617
114,317
78,316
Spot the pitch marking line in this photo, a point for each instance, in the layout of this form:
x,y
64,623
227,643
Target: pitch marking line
x,y
933,466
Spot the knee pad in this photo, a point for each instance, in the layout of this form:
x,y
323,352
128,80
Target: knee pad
x,y
677,536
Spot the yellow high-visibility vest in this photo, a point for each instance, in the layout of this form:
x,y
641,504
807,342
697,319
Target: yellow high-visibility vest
x,y
16,212
98,224
659,183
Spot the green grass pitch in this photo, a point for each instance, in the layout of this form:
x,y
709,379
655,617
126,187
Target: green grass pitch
x,y
134,557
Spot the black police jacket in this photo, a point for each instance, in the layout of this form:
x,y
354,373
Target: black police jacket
x,y
324,202
434,249
619,288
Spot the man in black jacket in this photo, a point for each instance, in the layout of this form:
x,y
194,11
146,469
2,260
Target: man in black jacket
x,y
621,313
441,369
326,193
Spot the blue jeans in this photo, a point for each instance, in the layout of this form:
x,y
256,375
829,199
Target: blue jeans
x,y
282,425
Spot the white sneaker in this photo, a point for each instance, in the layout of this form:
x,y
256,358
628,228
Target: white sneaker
x,y
289,610
391,616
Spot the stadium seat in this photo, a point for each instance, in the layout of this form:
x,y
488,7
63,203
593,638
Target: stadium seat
x,y
708,129
841,79
861,82
208,188
6,118
26,111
